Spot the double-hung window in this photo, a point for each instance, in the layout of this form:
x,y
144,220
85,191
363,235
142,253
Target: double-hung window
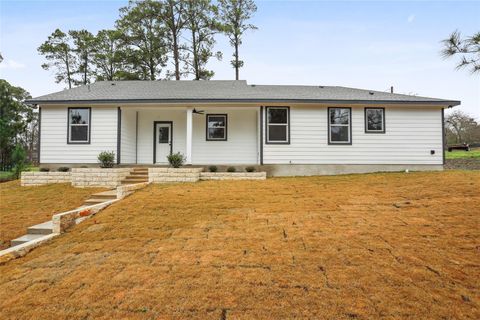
x,y
339,125
278,125
374,120
216,127
79,125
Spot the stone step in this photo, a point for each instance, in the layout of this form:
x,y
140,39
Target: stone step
x,y
92,201
41,228
112,194
139,173
132,181
25,238
145,177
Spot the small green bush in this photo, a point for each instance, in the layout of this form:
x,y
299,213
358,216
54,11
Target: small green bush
x,y
213,169
231,169
19,159
250,169
106,159
176,160
44,169
63,169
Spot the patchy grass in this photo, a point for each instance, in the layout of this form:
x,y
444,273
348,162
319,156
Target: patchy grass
x,y
22,207
459,154
390,246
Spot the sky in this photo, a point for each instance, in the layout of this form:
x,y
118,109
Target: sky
x,y
372,45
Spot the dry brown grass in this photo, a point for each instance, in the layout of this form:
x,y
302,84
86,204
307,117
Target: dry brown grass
x,y
22,207
389,246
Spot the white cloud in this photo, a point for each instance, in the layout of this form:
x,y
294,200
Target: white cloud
x,y
411,18
11,64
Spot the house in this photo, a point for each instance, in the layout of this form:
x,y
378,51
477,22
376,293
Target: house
x,y
289,130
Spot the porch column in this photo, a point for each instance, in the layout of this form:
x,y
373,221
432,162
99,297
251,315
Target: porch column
x,y
189,136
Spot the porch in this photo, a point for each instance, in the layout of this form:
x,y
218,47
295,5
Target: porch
x,y
220,135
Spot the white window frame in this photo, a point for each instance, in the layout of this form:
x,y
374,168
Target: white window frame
x,y
70,125
286,125
225,127
383,121
348,125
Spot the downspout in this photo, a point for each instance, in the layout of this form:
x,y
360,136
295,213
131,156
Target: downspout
x,y
119,133
136,138
39,133
261,135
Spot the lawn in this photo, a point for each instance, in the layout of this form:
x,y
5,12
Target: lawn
x,y
376,246
459,154
22,207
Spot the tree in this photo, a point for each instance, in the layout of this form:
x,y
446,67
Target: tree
x,y
461,128
144,35
174,17
15,117
58,52
233,15
109,55
202,25
83,42
468,49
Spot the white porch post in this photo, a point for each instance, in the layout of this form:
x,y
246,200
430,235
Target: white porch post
x,y
189,135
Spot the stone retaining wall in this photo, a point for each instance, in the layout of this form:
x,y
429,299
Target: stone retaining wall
x,y
233,176
29,178
169,175
125,190
98,177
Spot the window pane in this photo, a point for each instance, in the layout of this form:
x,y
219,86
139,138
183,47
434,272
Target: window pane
x,y
339,134
216,133
79,116
216,121
339,116
277,133
375,119
79,133
277,115
163,134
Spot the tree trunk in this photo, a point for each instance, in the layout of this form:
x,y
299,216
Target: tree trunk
x,y
67,63
176,55
236,59
195,56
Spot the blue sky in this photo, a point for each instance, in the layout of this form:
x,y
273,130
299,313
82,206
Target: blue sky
x,y
372,45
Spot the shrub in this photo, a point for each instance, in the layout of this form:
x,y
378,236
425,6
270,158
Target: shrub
x,y
44,169
63,169
250,169
176,160
213,169
19,159
106,159
231,169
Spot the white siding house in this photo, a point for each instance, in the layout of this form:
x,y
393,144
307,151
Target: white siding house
x,y
290,130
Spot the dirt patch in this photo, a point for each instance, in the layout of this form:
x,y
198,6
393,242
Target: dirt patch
x,y
376,246
462,164
22,207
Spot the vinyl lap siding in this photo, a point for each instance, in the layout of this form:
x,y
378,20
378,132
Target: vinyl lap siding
x,y
241,144
53,140
410,135
128,136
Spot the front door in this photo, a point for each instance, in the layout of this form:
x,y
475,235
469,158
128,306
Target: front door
x,y
163,141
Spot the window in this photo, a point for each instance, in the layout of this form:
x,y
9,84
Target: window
x,y
79,125
374,120
216,127
278,129
339,126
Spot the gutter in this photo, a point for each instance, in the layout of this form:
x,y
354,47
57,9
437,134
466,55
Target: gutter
x,y
450,103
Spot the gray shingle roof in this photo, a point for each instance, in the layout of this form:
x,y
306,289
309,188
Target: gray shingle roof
x,y
223,91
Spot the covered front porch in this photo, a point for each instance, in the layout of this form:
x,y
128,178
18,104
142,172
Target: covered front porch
x,y
221,135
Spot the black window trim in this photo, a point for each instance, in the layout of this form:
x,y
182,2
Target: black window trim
x,y
366,120
89,125
349,143
267,124
226,126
